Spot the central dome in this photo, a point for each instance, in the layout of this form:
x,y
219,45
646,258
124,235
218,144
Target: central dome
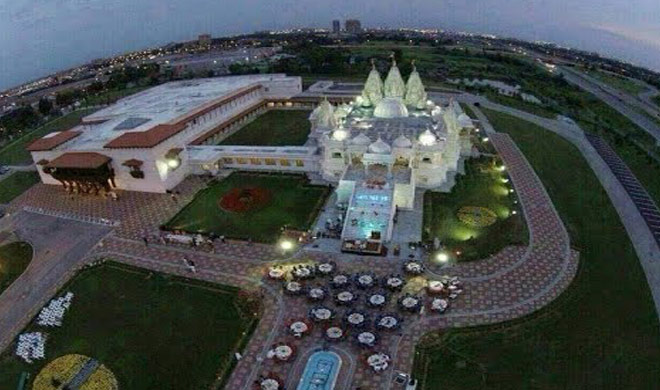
x,y
391,107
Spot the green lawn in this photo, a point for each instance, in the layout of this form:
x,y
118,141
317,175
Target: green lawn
x,y
153,331
14,258
17,183
274,128
481,186
14,153
602,333
293,203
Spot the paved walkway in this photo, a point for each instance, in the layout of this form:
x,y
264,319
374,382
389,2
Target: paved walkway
x,y
515,282
642,238
59,248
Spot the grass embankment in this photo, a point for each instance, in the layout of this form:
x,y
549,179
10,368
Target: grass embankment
x,y
603,332
17,183
151,330
14,258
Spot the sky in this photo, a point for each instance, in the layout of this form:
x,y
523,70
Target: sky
x,y
38,37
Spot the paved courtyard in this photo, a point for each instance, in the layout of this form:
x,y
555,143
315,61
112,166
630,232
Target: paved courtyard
x,y
511,284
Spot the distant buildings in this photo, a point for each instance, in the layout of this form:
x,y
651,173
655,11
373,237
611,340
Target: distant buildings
x,y
336,26
353,26
216,62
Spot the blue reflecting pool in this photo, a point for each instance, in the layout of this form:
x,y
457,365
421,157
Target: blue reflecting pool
x,y
321,371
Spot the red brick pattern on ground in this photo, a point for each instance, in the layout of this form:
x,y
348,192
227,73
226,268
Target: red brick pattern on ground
x,y
513,283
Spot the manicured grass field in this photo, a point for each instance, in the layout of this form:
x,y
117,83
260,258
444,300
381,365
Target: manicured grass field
x,y
293,203
16,184
152,331
14,258
274,128
14,153
481,186
601,333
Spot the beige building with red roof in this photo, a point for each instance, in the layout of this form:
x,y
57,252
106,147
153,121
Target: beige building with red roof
x,y
139,143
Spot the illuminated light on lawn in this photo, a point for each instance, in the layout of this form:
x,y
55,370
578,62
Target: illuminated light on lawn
x,y
505,180
173,163
511,190
442,257
501,168
286,245
485,139
514,212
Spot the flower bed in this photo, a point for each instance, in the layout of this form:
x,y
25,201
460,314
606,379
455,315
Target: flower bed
x,y
58,372
241,200
477,216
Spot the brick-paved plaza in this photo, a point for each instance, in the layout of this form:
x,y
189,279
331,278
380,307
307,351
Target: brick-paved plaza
x,y
510,284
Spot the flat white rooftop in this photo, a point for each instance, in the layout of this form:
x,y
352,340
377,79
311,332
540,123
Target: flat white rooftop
x,y
157,105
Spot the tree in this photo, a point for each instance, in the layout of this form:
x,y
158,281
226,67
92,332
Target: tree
x,y
45,106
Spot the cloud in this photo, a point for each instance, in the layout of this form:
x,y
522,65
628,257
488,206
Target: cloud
x,y
646,35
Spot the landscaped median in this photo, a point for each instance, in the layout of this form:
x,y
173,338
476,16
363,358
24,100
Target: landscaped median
x,y
601,332
148,330
14,259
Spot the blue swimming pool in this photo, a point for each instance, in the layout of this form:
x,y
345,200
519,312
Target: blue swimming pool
x,y
321,371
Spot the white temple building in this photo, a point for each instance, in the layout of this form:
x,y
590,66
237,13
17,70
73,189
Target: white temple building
x,y
379,149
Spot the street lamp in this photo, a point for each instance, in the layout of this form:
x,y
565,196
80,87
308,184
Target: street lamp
x,y
286,245
442,257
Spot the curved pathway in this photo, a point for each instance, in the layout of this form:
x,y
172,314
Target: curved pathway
x,y
642,238
514,283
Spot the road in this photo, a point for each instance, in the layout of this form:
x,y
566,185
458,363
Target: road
x,y
621,102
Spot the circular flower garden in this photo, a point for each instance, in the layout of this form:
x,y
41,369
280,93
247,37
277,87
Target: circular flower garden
x,y
241,200
61,371
477,217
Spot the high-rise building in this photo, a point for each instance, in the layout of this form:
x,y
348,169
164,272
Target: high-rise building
x,y
353,26
336,26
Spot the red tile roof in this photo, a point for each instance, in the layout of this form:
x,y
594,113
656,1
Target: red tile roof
x,y
79,160
49,142
145,139
159,133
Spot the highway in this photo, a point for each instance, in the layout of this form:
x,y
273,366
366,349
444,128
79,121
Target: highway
x,y
621,102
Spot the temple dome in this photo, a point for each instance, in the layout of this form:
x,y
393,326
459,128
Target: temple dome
x,y
380,147
402,142
391,107
427,138
361,139
340,134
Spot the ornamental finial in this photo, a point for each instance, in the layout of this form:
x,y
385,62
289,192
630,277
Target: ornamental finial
x,y
393,59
